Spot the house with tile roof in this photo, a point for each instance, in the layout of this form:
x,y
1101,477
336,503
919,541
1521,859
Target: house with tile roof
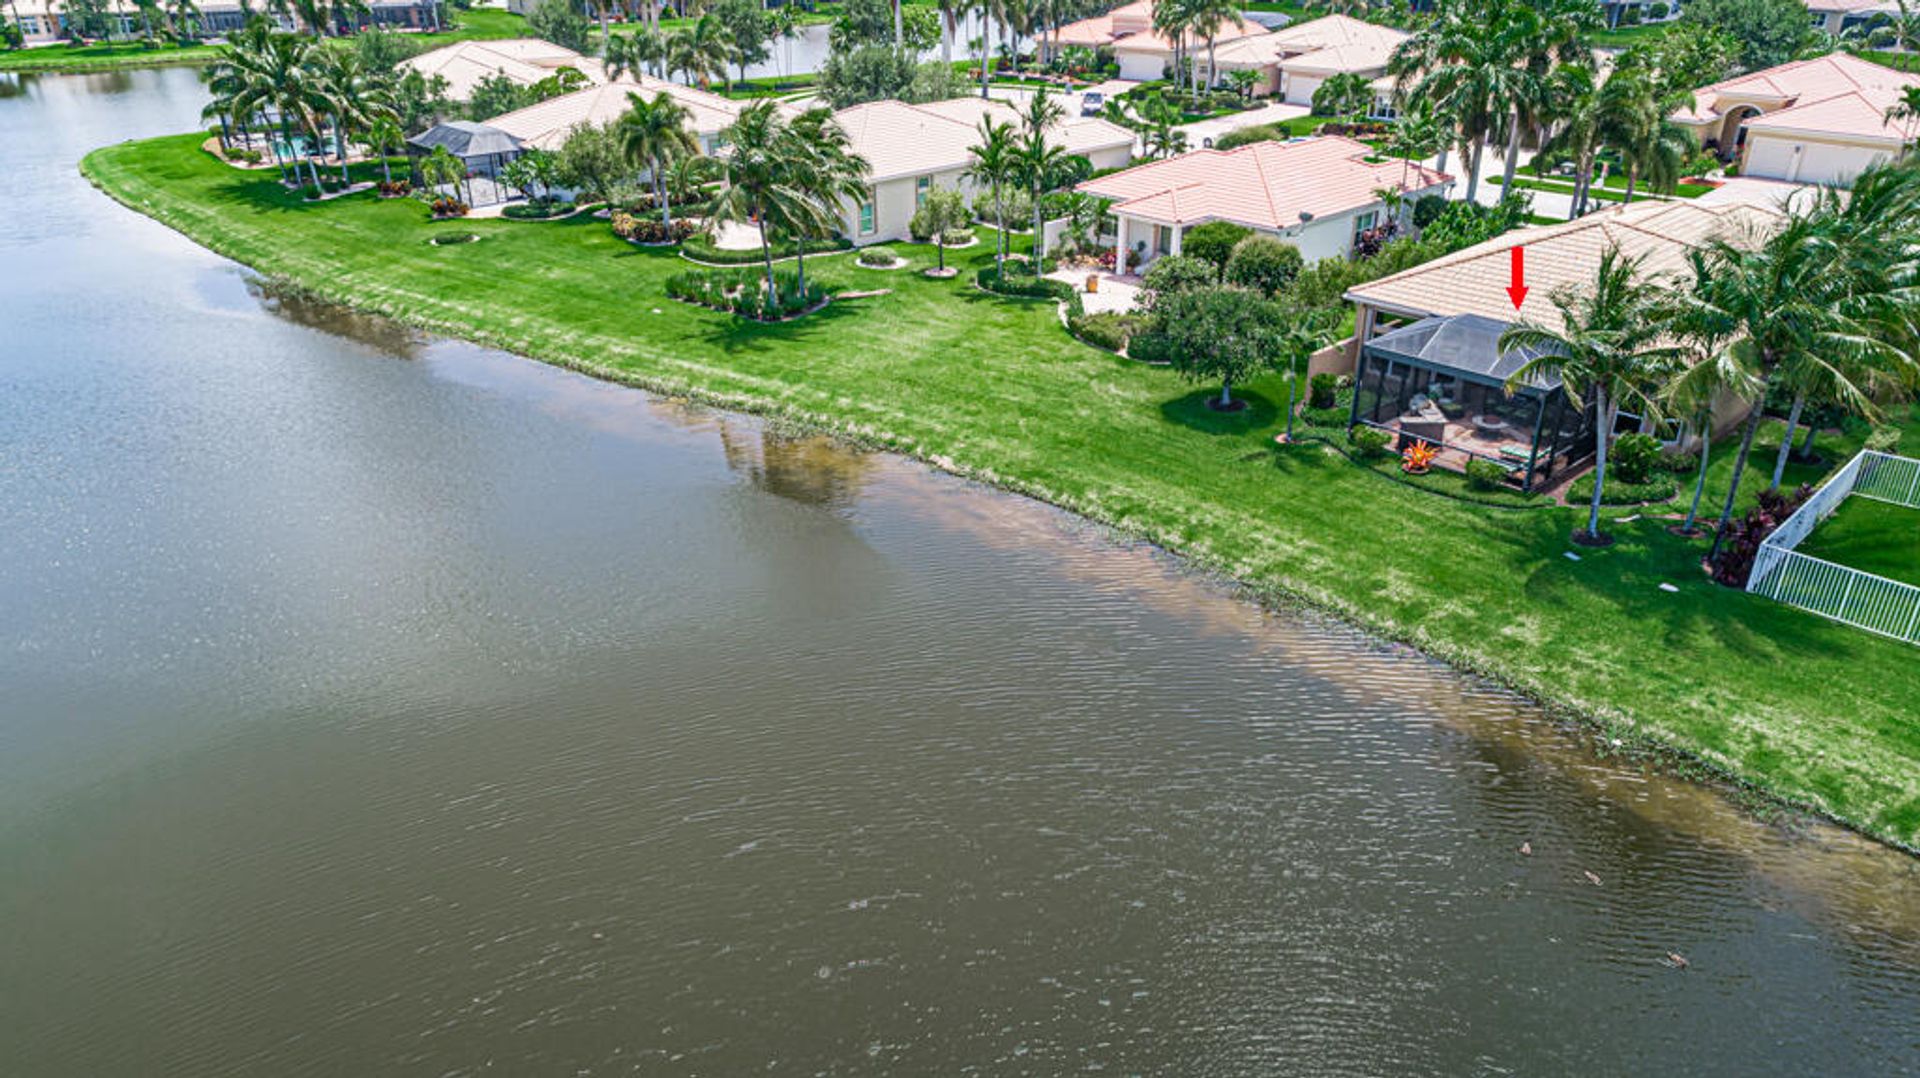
x,y
1425,357
1838,16
1294,60
1128,31
525,60
1317,194
1811,121
912,149
547,124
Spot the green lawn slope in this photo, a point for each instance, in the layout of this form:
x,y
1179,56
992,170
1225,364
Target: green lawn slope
x,y
1810,711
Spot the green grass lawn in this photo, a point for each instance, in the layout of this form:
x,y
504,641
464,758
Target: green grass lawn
x,y
1872,536
480,23
993,388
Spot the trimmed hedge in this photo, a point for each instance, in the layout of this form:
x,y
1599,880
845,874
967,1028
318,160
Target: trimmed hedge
x,y
1026,286
700,247
1105,329
538,210
1660,488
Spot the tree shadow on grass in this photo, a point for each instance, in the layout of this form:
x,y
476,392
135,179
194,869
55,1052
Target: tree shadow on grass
x,y
1193,411
734,333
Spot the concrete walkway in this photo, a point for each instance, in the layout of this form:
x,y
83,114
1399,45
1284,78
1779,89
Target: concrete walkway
x,y
1201,133
1117,293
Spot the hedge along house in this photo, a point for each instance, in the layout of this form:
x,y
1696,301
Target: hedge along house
x,y
1318,194
1817,121
1294,60
911,149
546,125
524,60
1426,359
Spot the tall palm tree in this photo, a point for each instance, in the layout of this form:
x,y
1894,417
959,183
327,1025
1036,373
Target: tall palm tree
x,y
183,18
1468,63
828,173
1635,121
759,177
1574,91
995,163
1609,349
624,56
1041,162
1208,18
1173,19
353,95
1906,108
701,53
653,135
383,134
1708,373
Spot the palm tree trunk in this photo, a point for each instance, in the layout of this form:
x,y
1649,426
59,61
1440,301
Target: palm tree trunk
x,y
899,29
1473,167
340,146
1000,244
986,45
1700,482
1513,154
1039,241
1806,444
1739,467
766,252
1600,436
1786,439
1633,177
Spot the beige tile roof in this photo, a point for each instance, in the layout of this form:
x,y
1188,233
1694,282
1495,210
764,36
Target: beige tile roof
x,y
1801,83
524,60
899,139
1853,7
1264,185
1855,115
1106,29
1475,280
546,125
1333,43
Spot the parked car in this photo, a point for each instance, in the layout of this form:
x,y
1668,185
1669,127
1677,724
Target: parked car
x,y
1091,103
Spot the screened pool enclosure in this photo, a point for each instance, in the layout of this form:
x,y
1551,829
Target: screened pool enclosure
x,y
1443,381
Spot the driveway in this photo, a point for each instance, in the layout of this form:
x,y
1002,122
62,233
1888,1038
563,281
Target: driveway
x,y
1200,134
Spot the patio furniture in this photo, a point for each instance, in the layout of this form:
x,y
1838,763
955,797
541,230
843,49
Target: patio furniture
x,y
1489,425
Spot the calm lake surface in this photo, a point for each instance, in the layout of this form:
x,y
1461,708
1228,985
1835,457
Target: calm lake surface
x,y
372,705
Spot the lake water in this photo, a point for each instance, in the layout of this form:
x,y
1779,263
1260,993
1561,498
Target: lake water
x,y
374,705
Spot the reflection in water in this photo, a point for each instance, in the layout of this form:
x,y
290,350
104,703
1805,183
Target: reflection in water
x,y
302,308
807,468
465,716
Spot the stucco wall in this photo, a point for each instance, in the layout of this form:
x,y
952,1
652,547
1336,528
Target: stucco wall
x,y
895,204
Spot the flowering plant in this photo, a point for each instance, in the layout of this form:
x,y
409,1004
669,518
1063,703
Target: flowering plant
x,y
1418,458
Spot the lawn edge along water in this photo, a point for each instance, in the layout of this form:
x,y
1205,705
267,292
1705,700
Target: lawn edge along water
x,y
1712,682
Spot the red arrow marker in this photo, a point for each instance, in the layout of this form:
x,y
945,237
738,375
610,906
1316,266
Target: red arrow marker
x,y
1518,289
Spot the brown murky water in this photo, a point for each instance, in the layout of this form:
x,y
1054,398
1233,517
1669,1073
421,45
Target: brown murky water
x,y
375,705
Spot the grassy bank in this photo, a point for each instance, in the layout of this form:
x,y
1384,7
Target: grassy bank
x,y
1808,710
473,25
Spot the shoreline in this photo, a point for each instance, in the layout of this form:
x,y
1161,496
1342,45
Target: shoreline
x,y
1615,731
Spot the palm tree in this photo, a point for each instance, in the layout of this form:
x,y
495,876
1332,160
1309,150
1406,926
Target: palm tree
x,y
987,9
1207,18
1414,135
1709,373
995,162
441,167
624,56
1610,346
758,172
1305,334
1635,121
1172,19
383,134
653,135
1906,108
1577,104
1822,288
827,172
1468,62
352,94
701,53
183,19
1039,161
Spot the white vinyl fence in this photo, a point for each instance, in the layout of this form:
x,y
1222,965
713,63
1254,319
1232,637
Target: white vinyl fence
x,y
1860,599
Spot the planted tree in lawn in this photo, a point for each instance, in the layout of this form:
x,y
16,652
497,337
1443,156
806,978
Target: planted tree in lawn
x,y
942,211
827,174
383,134
1041,162
592,160
1609,349
758,177
1219,332
1306,333
653,135
1709,372
996,163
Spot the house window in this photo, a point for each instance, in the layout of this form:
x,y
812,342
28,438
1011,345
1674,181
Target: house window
x,y
1383,108
866,215
1364,222
920,188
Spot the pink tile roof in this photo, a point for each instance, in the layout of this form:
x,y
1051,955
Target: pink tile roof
x,y
546,124
899,139
1802,82
1106,29
1333,43
1264,185
1474,280
1856,115
524,60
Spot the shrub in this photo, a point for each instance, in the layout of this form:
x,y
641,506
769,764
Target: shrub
x,y
1178,273
1014,202
880,257
1635,458
1370,441
958,236
1263,264
744,292
1214,242
635,228
1321,390
1428,210
445,206
700,246
538,209
1106,329
310,192
1485,474
1679,461
1659,488
1027,286
1150,347
1884,439
395,188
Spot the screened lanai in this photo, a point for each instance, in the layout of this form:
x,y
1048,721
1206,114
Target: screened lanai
x,y
1443,381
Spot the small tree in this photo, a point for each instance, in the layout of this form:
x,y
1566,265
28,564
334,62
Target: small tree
x,y
1219,332
592,160
1343,96
942,211
1214,242
1263,264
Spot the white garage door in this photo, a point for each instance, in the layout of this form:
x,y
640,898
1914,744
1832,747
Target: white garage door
x,y
1141,67
1774,158
1300,88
